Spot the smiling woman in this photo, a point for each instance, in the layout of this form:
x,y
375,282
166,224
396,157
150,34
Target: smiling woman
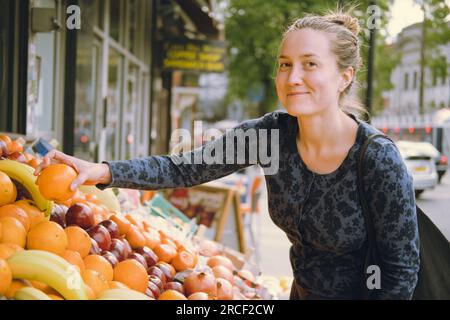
x,y
313,195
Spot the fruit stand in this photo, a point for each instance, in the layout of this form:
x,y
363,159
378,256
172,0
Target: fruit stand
x,y
58,244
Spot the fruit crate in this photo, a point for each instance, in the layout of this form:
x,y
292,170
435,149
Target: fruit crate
x,y
160,207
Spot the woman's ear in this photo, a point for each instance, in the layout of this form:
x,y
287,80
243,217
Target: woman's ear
x,y
346,78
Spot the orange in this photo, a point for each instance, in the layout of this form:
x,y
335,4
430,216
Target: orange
x,y
117,285
5,277
123,224
41,286
78,240
99,264
135,238
15,147
15,285
95,281
165,252
74,258
8,249
13,232
55,180
132,274
31,210
89,292
8,191
47,236
6,139
11,210
183,260
171,295
152,238
130,218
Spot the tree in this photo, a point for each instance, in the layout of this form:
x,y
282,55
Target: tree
x,y
435,13
253,31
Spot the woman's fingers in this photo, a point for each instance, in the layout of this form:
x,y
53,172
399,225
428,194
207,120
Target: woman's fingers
x,y
82,177
55,156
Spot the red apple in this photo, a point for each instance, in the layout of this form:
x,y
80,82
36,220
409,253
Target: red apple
x,y
81,215
127,246
112,228
95,249
166,270
58,215
112,259
154,289
101,235
155,271
156,281
150,257
117,248
139,258
174,286
149,293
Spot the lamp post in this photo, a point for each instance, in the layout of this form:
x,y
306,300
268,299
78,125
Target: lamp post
x,y
370,66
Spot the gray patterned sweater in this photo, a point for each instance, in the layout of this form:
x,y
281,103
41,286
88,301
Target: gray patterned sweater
x,y
320,213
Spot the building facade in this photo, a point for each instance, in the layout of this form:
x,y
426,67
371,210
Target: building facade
x,y
87,72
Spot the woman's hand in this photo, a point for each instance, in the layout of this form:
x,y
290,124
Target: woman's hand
x,y
88,172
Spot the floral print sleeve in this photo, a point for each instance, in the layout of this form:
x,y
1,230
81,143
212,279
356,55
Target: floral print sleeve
x,y
390,196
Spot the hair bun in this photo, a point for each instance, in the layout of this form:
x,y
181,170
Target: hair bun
x,y
345,20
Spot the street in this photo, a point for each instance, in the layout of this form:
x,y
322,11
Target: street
x,y
436,203
274,245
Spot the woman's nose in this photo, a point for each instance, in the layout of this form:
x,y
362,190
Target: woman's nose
x,y
295,76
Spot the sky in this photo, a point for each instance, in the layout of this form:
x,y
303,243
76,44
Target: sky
x,y
404,13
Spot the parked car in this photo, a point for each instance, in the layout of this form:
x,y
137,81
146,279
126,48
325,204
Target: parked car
x,y
420,159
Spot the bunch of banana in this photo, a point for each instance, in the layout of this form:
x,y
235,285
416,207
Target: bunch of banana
x,y
30,293
48,268
122,294
23,174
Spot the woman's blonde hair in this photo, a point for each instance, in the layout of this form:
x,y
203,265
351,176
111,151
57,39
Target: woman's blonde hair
x,y
345,45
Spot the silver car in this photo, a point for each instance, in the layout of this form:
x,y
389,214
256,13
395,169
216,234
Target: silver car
x,y
420,158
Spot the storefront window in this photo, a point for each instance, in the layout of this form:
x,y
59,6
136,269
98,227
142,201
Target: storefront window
x,y
114,19
113,104
133,25
45,60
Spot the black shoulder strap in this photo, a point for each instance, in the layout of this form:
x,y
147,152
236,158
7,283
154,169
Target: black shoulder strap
x,y
372,254
363,199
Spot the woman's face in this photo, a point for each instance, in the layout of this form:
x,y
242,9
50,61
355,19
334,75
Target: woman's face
x,y
308,80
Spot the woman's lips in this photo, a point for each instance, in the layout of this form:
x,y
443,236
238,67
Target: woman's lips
x,y
297,94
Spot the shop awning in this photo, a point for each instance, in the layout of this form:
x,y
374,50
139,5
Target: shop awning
x,y
203,22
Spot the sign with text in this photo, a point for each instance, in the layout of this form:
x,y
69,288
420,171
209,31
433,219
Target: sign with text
x,y
194,55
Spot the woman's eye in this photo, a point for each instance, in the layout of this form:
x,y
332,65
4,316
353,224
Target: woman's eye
x,y
311,64
284,65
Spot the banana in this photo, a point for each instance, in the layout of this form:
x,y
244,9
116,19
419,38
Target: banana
x,y
48,268
106,197
23,174
122,294
30,293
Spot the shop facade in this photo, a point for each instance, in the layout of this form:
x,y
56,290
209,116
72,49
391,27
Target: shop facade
x,y
96,88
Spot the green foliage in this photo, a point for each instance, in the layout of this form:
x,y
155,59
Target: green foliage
x,y
438,33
